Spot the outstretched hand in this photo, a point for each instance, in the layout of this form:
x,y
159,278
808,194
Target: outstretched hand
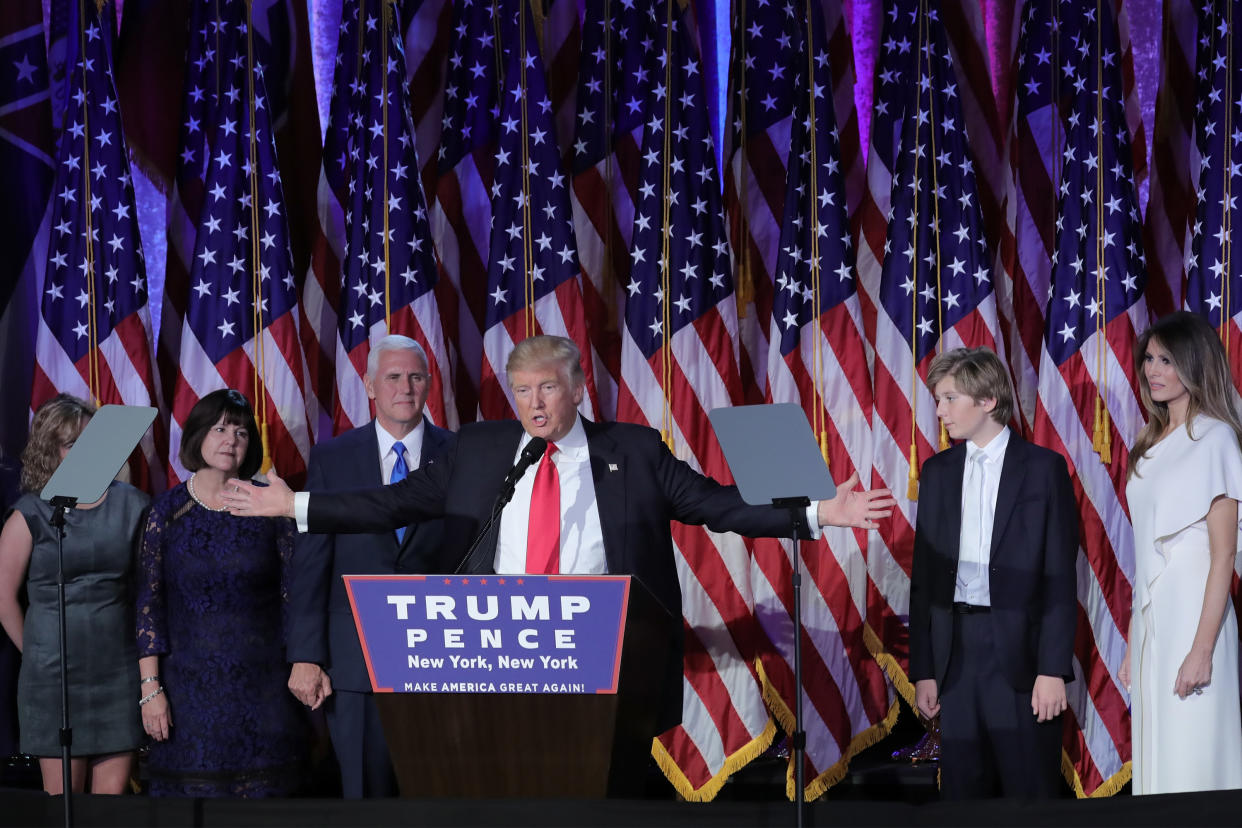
x,y
856,508
248,500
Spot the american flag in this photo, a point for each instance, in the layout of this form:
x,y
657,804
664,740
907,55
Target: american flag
x,y
203,70
614,71
150,72
464,158
389,266
167,81
816,359
679,361
27,144
1034,140
1172,201
755,173
1213,277
888,576
94,338
284,30
1214,284
498,151
757,136
930,282
241,322
427,40
562,41
1088,407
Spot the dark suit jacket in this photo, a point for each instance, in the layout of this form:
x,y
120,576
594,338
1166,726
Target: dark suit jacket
x,y
639,487
321,626
1032,573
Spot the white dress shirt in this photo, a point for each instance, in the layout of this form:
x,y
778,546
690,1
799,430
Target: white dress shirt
x,y
980,484
582,538
413,443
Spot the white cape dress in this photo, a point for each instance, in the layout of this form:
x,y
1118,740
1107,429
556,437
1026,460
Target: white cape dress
x,y
1195,743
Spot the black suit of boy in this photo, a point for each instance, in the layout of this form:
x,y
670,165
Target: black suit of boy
x,y
985,662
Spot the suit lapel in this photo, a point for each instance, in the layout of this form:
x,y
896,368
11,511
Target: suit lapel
x,y
370,472
952,495
432,440
366,472
492,465
1013,470
608,474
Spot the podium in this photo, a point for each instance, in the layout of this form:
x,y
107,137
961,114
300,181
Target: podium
x,y
515,686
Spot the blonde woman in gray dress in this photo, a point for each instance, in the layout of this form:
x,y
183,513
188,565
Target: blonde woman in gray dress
x,y
100,548
1181,664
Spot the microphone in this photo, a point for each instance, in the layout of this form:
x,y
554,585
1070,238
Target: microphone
x,y
530,455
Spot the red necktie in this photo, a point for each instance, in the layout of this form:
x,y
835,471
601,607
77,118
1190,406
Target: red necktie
x,y
543,541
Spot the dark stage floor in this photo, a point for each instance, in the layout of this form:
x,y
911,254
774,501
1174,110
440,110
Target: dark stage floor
x,y
877,792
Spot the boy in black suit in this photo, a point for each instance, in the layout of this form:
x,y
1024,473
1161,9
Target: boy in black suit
x,y
993,601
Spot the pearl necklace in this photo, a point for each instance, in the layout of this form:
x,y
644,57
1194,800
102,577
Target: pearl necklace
x,y
189,486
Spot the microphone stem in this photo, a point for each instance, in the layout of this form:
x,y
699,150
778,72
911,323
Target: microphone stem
x,y
530,455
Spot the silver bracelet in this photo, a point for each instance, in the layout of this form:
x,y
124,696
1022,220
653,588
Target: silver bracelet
x,y
151,695
150,679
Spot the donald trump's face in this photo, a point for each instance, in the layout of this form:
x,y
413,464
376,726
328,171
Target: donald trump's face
x,y
547,399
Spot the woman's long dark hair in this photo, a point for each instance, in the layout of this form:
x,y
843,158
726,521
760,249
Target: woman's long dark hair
x,y
1202,365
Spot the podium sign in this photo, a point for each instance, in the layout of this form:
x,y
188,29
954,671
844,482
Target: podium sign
x,y
490,633
516,685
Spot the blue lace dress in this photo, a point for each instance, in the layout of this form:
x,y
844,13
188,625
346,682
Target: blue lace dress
x,y
211,603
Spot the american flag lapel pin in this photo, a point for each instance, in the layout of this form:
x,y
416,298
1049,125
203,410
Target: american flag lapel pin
x,y
612,467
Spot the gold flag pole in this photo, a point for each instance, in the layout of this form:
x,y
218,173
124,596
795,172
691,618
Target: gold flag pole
x,y
666,346
819,415
256,270
1101,432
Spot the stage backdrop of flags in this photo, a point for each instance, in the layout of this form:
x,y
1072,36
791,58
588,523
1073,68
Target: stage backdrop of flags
x,y
491,169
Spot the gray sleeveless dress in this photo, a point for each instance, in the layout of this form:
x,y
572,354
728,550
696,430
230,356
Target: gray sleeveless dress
x,y
100,550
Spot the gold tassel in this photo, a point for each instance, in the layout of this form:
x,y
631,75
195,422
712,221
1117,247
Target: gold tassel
x,y
667,436
912,481
823,449
1102,433
743,286
944,437
267,449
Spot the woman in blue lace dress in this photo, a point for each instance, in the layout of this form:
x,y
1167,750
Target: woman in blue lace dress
x,y
211,603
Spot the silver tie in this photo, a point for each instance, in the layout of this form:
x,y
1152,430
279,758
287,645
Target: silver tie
x,y
970,572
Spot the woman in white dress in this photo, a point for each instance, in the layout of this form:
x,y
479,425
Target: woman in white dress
x,y
1181,664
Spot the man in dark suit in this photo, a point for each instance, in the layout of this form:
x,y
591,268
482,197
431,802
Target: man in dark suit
x,y
616,487
993,601
322,641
